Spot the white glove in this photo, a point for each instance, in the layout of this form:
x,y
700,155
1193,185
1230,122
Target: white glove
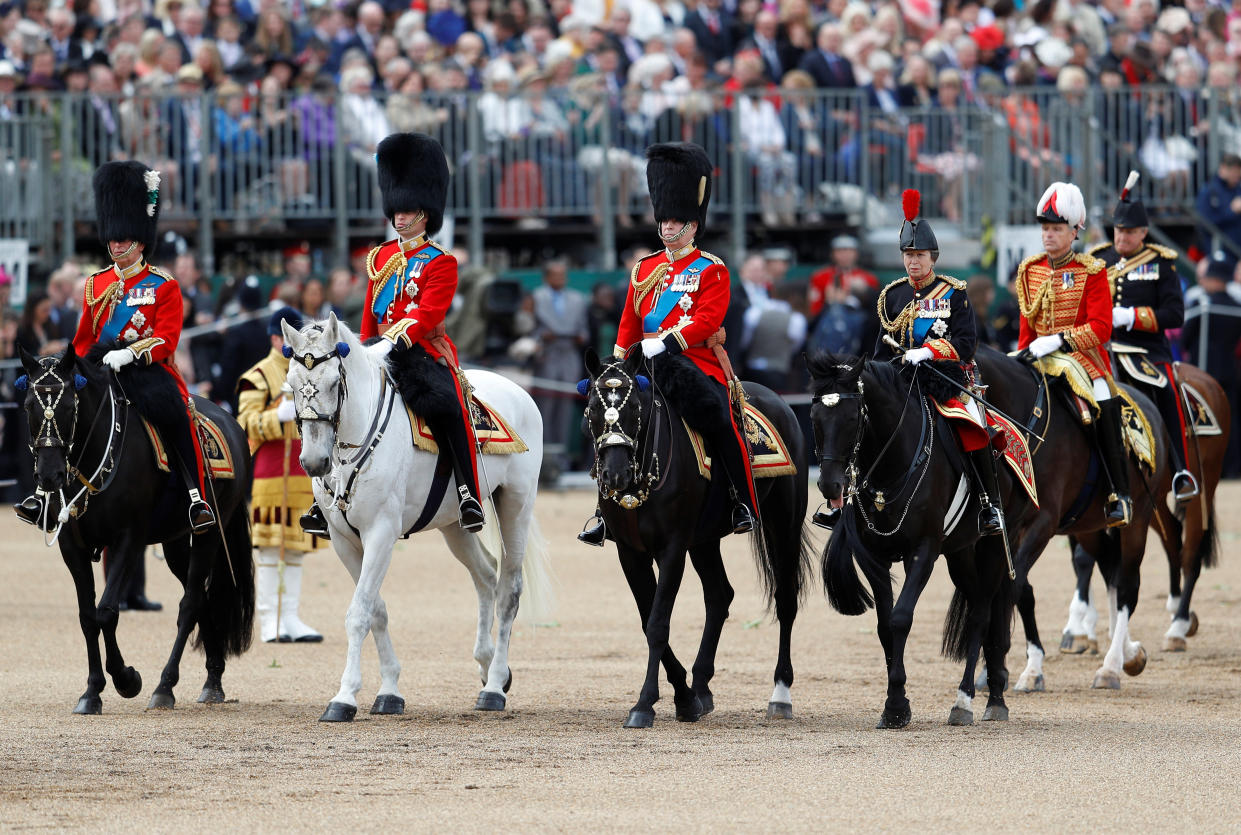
x,y
286,411
653,347
381,348
1044,345
917,355
1123,317
118,359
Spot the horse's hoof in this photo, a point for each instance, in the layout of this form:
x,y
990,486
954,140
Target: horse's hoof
x,y
995,713
1135,665
1106,680
339,712
89,706
388,704
707,702
1077,644
1193,625
1026,685
161,701
1174,643
960,716
893,719
490,701
779,710
508,682
1092,646
213,694
640,718
128,683
689,712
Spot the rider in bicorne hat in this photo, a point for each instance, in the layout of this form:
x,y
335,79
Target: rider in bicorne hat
x,y
1146,301
412,284
676,301
929,315
1066,322
140,308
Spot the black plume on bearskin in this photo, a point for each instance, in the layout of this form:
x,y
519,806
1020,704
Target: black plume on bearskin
x,y
150,388
425,385
675,173
121,201
413,175
694,396
936,387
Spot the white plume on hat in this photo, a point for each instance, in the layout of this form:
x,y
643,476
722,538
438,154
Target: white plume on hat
x,y
1067,202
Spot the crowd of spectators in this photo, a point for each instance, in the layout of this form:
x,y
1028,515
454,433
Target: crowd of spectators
x,y
566,86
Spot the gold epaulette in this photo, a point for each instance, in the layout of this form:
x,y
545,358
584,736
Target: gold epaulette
x,y
161,273
381,273
1092,264
1097,248
712,258
633,274
1164,251
955,283
1029,262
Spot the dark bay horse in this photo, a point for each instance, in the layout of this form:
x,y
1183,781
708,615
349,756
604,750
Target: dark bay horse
x,y
89,443
657,507
893,465
1072,492
1188,533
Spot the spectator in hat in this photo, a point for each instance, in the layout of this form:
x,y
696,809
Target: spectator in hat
x,y
843,273
1219,204
1221,319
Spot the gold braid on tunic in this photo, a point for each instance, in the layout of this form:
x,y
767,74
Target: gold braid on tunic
x,y
904,321
640,289
105,302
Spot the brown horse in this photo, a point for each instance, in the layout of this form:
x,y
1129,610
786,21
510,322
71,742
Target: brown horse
x,y
1188,533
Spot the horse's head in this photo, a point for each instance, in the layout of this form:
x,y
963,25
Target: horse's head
x,y
838,415
51,385
614,417
317,377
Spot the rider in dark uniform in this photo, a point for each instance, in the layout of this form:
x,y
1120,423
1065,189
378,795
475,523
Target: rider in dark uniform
x,y
1146,301
930,317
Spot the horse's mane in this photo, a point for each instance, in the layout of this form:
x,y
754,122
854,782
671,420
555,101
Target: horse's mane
x,y
830,370
347,336
827,370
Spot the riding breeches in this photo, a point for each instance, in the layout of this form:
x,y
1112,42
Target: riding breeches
x,y
718,426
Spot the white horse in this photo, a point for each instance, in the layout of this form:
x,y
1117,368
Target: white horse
x,y
374,486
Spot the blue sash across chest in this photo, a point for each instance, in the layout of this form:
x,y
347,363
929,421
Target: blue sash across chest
x,y
414,266
935,307
686,281
124,311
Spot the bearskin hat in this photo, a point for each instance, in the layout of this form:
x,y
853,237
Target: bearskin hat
x,y
1130,213
916,234
679,177
413,176
127,203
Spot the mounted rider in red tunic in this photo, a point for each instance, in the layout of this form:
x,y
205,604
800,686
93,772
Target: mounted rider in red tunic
x,y
412,281
676,303
138,308
1066,323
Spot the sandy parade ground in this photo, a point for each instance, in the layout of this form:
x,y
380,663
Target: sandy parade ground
x,y
1164,751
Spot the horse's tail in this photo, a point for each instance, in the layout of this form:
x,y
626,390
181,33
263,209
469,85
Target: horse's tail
x,y
1208,546
230,587
783,555
956,636
840,576
538,594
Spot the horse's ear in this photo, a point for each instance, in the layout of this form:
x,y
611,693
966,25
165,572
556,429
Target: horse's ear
x,y
28,361
291,337
65,364
333,327
591,358
633,361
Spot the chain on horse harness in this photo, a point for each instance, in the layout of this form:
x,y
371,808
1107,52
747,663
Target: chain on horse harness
x,y
50,436
643,478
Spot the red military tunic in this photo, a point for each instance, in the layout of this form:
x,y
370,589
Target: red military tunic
x,y
681,301
1073,300
140,307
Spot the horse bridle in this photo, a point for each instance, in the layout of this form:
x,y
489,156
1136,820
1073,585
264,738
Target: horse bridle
x,y
310,361
831,400
605,385
49,435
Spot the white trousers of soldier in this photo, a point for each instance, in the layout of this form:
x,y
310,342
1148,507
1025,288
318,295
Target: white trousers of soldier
x,y
277,610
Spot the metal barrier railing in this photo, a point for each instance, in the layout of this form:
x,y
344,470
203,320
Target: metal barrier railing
x,y
264,164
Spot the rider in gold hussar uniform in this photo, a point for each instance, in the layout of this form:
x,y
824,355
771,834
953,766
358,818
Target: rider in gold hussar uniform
x,y
1066,322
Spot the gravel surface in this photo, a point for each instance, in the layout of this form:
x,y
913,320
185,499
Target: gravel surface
x,y
1162,752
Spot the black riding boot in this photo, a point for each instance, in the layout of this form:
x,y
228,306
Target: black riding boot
x,y
1112,446
313,522
30,508
452,432
180,436
725,450
595,532
1184,485
989,490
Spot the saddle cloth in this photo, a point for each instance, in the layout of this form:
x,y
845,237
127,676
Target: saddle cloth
x,y
1007,438
494,435
769,455
1201,416
216,454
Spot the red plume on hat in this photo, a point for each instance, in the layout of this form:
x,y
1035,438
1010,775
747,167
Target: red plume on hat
x,y
911,203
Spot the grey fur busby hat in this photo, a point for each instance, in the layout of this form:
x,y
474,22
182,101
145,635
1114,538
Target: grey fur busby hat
x,y
127,203
916,234
413,176
679,177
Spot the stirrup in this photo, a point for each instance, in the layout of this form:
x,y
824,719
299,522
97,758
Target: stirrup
x,y
30,509
313,523
471,512
827,518
1119,511
1186,491
201,516
594,534
989,520
743,519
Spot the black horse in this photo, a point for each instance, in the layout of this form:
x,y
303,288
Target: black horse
x,y
1072,493
657,507
89,440
893,465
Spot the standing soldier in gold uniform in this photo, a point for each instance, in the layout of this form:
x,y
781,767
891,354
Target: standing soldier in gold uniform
x,y
281,490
